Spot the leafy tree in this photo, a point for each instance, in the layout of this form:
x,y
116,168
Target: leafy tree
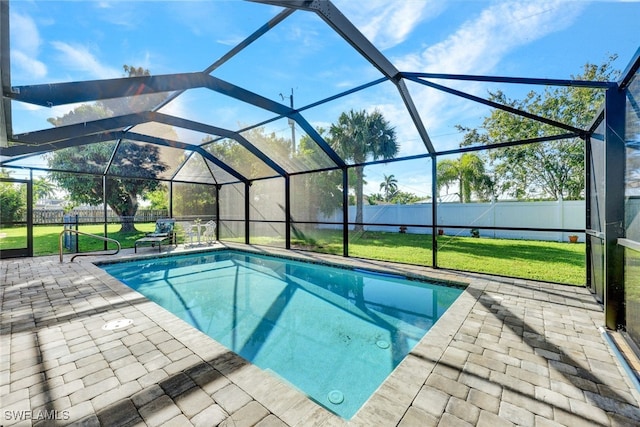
x,y
159,198
358,136
552,169
193,199
43,188
468,173
404,198
239,158
399,198
234,154
190,199
13,203
121,194
389,186
321,192
142,160
13,200
375,199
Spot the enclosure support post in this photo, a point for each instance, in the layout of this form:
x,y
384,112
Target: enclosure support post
x,y
587,207
247,194
104,207
287,206
614,208
345,211
170,199
434,212
30,214
217,212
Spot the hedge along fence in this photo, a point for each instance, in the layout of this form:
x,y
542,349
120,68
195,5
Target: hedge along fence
x,y
417,218
91,216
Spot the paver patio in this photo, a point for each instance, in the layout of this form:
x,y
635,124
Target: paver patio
x,y
508,352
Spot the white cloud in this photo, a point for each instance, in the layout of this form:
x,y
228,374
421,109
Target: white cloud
x,y
77,57
480,44
26,44
384,23
28,65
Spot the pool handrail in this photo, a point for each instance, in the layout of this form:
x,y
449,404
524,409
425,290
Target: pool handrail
x,y
106,239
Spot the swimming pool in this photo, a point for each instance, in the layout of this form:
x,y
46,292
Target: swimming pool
x,y
333,333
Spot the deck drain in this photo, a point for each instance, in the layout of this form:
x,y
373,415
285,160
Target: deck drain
x,y
117,324
382,344
336,397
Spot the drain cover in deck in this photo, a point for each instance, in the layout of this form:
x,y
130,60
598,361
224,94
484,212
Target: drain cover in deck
x,y
114,325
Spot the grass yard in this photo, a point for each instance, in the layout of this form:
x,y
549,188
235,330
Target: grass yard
x,y
45,237
528,259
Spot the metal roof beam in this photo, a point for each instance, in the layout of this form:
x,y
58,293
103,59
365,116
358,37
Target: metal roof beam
x,y
49,95
5,74
85,128
201,127
177,144
249,97
253,37
30,150
318,139
120,123
235,50
514,80
493,104
244,95
415,116
630,72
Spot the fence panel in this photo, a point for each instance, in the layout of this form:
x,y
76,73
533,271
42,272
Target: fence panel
x,y
546,214
88,216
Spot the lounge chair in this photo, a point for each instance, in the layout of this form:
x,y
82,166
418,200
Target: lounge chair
x,y
164,232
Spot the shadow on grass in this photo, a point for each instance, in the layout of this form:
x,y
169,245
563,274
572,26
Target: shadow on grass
x,y
515,250
490,248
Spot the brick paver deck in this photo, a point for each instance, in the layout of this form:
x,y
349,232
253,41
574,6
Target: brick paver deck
x,y
508,352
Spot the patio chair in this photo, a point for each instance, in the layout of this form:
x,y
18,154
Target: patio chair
x,y
164,231
190,231
210,231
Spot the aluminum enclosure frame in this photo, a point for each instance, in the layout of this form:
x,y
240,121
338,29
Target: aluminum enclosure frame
x,y
120,128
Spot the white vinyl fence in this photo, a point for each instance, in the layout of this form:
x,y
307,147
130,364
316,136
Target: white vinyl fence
x,y
551,214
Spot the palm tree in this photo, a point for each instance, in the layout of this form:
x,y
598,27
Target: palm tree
x,y
469,173
359,136
389,186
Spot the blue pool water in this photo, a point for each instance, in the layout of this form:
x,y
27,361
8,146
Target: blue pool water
x,y
333,333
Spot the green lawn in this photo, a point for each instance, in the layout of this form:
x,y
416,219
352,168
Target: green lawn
x,y
529,259
45,237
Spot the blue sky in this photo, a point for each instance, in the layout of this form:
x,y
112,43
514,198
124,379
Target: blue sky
x,y
56,41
